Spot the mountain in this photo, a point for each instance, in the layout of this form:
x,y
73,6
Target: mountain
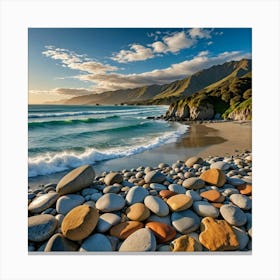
x,y
166,94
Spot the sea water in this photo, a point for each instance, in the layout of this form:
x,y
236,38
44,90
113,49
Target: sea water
x,y
64,137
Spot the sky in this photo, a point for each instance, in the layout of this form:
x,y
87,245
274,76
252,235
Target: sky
x,y
68,62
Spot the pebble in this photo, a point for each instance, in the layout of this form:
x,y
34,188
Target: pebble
x,y
142,240
158,187
214,177
88,191
235,181
156,205
90,203
185,221
59,243
185,243
59,218
67,202
166,193
136,194
112,189
220,165
79,222
154,177
194,195
193,160
138,212
246,190
110,202
76,180
242,201
233,215
179,202
205,209
162,231
106,221
41,227
242,237
95,196
155,218
96,243
211,195
229,191
42,202
112,178
177,188
193,183
124,229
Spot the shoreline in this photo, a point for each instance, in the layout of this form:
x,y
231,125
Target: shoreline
x,y
203,138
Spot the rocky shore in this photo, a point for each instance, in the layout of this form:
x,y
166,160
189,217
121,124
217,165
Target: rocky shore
x,y
192,205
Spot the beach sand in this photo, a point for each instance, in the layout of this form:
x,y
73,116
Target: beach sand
x,y
202,139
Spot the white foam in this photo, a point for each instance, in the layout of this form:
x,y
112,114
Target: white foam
x,y
53,163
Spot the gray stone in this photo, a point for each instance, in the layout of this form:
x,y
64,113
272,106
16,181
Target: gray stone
x,y
114,242
42,202
193,160
156,205
112,189
112,178
89,191
90,203
154,177
220,165
96,243
142,240
242,201
205,209
110,202
230,191
193,183
242,237
233,215
60,243
31,196
158,187
235,181
127,184
194,195
106,221
95,196
185,221
76,180
164,220
163,165
67,202
136,194
249,224
41,227
163,248
177,188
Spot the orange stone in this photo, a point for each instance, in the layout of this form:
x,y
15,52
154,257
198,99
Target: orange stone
x,y
138,212
214,177
166,193
245,189
185,243
217,204
179,202
163,232
211,195
79,222
123,230
217,235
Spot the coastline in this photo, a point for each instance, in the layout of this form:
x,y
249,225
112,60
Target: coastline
x,y
218,138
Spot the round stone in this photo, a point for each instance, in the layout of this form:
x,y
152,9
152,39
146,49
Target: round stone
x,y
242,237
154,177
59,218
179,202
76,180
42,202
96,243
205,209
112,189
185,221
162,232
193,183
166,193
95,196
112,178
235,181
124,229
242,201
142,240
185,243
156,205
137,212
79,222
177,188
233,215
214,177
89,191
110,202
106,221
220,165
194,195
136,194
193,160
247,189
67,202
59,243
211,195
155,218
41,227
158,187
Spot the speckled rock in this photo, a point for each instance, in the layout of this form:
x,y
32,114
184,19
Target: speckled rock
x,y
96,243
142,240
233,215
67,202
179,202
162,232
185,221
59,243
136,194
242,201
112,178
124,229
79,222
154,177
217,235
41,227
193,183
76,180
185,243
205,209
214,177
156,205
42,202
177,188
193,160
138,212
106,221
110,202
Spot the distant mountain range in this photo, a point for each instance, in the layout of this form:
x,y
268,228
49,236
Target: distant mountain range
x,y
206,80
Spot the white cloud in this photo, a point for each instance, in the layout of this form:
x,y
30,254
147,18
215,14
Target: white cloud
x,y
200,33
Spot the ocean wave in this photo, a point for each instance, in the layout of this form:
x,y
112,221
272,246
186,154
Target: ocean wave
x,y
52,163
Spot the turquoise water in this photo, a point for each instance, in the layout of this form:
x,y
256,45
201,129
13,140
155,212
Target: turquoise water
x,y
63,137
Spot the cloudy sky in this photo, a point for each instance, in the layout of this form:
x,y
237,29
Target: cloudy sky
x,y
66,62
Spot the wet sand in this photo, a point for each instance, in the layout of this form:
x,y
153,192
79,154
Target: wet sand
x,y
206,139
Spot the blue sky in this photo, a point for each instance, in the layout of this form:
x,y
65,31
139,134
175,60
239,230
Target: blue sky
x,y
67,62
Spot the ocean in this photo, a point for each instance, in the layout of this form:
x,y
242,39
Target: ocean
x,y
61,138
